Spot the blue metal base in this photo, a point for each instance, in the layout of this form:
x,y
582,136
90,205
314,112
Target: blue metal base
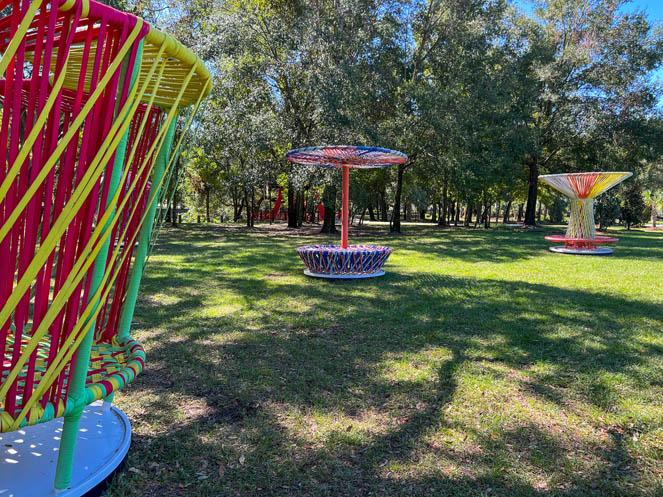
x,y
331,276
573,251
28,457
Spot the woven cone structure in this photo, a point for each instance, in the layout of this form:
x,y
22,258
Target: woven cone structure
x,y
582,189
95,105
347,262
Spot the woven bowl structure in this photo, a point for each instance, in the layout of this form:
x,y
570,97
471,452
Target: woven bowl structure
x,y
332,260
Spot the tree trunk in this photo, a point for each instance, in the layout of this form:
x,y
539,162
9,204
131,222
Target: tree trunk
x,y
174,212
434,212
248,199
507,212
371,213
654,213
329,201
457,214
520,212
300,209
207,209
538,212
445,202
497,212
468,215
361,218
384,208
292,206
395,225
532,188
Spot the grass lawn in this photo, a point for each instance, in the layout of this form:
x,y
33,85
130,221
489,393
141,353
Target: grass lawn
x,y
480,365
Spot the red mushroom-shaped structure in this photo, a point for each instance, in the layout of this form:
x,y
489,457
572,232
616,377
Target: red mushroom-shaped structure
x,y
346,261
582,189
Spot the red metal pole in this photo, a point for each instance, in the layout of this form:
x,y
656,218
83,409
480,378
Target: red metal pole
x,y
345,207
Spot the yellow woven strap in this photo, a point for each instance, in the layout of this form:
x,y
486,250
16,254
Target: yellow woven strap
x,y
77,199
64,142
18,36
92,310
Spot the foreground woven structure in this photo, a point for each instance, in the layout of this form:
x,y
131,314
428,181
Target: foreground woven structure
x,y
582,189
94,106
357,261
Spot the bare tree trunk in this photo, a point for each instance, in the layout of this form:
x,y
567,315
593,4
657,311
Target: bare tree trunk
x,y
292,206
384,208
538,213
532,189
250,202
329,201
300,209
654,213
395,225
507,212
445,202
371,213
207,206
520,212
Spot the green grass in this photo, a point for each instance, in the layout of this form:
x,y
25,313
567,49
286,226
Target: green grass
x,y
480,365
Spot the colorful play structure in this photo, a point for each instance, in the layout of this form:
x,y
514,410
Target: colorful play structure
x,y
94,107
582,189
278,213
345,261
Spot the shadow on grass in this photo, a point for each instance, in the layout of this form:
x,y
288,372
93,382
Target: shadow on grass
x,y
328,356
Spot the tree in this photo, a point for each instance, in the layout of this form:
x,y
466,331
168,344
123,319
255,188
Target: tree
x,y
607,209
633,204
585,65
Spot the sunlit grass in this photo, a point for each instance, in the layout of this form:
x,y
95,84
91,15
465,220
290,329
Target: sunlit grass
x,y
481,364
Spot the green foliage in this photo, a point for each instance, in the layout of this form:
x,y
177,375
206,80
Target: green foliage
x,y
557,208
607,209
477,93
633,205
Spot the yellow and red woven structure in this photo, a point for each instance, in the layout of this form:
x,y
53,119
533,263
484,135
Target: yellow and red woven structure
x,y
582,189
94,106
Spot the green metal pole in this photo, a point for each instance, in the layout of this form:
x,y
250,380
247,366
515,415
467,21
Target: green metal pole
x,y
145,235
76,391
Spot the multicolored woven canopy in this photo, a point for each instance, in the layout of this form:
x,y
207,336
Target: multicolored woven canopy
x,y
346,155
584,185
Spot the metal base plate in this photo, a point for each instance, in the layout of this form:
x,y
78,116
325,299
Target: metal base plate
x,y
29,456
331,276
594,251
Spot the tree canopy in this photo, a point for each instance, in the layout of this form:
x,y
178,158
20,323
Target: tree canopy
x,y
483,96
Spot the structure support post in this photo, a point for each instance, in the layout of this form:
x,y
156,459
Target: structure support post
x,y
145,235
345,206
76,391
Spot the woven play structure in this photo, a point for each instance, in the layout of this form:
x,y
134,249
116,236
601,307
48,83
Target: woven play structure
x,y
582,189
345,262
94,106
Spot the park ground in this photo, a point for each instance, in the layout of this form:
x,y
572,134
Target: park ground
x,y
480,365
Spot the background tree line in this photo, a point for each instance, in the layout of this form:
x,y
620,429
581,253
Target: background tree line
x,y
482,95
